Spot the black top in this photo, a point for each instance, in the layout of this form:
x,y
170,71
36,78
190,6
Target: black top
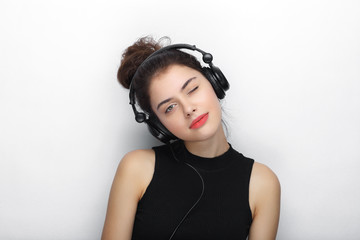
x,y
223,212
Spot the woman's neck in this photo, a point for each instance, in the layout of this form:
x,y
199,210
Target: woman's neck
x,y
211,147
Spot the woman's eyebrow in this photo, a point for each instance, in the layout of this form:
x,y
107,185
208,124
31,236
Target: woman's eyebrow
x,y
182,88
187,82
163,102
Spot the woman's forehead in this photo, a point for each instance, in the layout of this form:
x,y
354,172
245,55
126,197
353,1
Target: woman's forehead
x,y
172,77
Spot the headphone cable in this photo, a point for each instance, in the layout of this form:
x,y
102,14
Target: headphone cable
x,y
202,192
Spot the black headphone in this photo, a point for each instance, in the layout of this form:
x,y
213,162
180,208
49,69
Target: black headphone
x,y
212,73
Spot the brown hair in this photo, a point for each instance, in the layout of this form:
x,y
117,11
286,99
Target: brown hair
x,y
134,56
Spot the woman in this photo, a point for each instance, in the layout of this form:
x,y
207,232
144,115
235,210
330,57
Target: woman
x,y
196,186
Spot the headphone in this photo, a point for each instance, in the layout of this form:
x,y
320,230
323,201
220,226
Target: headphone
x,y
212,73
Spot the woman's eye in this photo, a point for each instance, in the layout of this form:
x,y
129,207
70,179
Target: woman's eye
x,y
193,90
168,109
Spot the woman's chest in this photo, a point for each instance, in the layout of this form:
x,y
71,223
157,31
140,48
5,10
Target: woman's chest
x,y
221,212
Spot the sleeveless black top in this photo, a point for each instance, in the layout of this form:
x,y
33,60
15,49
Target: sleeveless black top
x,y
223,212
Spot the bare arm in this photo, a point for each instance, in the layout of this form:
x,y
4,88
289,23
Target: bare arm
x,y
131,179
265,201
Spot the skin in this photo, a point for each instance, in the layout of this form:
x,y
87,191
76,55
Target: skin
x,y
188,95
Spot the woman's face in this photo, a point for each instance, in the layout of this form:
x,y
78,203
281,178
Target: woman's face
x,y
185,103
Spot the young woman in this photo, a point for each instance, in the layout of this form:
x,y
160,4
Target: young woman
x,y
196,186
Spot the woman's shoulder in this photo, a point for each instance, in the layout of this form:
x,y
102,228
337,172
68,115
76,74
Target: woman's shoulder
x,y
138,160
264,186
263,177
137,166
264,199
138,156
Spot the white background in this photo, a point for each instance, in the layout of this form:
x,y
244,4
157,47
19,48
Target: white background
x,y
65,122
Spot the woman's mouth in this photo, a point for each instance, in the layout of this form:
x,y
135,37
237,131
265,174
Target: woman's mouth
x,y
199,121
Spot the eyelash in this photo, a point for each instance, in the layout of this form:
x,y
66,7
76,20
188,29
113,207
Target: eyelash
x,y
193,90
168,109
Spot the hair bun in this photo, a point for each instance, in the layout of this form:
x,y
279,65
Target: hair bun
x,y
134,55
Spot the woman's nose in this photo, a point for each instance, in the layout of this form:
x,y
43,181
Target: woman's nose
x,y
189,111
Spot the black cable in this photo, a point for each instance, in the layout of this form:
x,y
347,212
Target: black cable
x,y
202,192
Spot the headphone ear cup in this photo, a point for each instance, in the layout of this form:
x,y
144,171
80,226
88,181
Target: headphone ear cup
x,y
208,73
221,79
158,130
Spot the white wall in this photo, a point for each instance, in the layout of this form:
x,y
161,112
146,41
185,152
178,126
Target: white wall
x,y
65,123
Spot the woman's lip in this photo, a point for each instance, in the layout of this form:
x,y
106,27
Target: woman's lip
x,y
199,121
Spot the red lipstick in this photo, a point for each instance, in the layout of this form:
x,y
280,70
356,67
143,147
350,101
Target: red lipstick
x,y
199,121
